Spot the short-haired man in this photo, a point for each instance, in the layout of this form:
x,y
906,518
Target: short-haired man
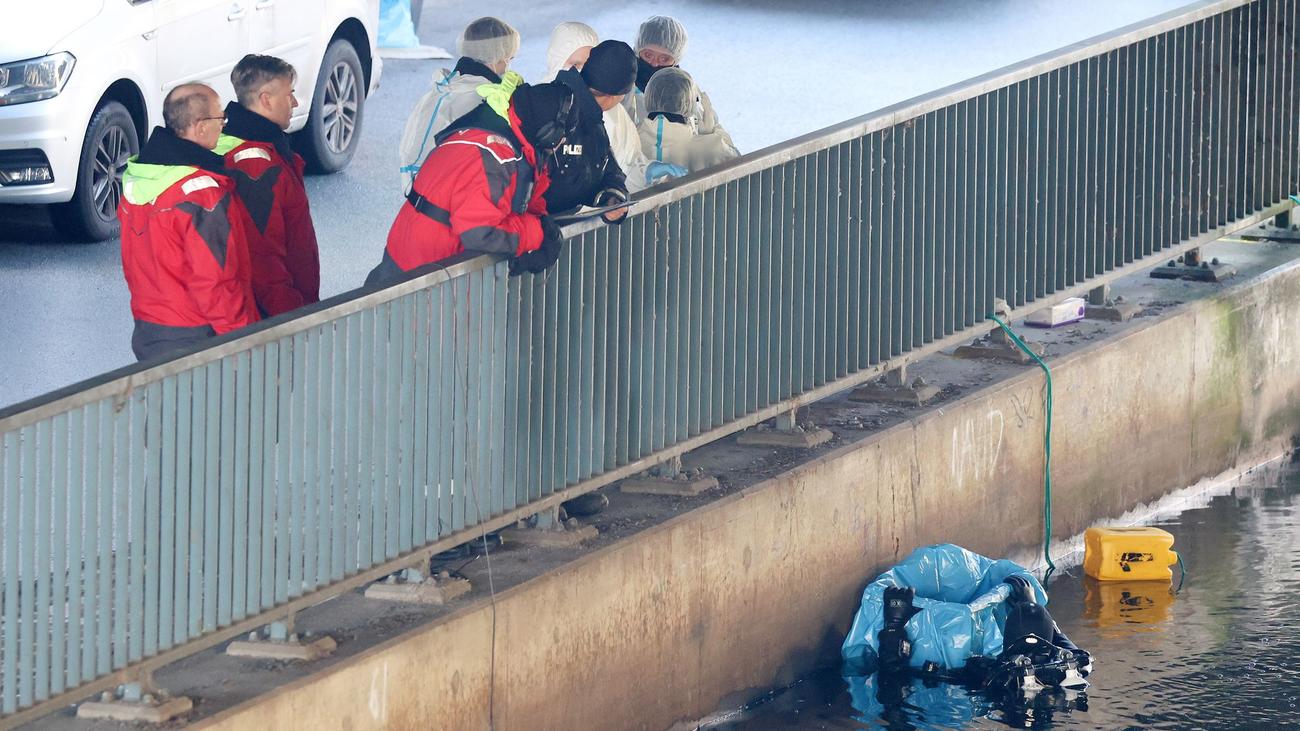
x,y
269,178
184,253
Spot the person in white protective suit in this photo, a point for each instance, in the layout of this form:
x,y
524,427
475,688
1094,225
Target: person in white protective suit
x,y
486,48
660,44
670,133
570,47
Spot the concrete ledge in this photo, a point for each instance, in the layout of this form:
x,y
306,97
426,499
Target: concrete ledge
x,y
663,626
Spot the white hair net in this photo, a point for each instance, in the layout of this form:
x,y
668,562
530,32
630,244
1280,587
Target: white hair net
x,y
488,41
664,32
671,90
565,39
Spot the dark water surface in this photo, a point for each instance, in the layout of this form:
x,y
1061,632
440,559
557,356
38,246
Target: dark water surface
x,y
1222,653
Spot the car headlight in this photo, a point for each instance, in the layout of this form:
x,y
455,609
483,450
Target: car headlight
x,y
34,79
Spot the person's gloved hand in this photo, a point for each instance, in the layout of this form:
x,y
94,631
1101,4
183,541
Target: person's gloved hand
x,y
657,172
541,259
609,197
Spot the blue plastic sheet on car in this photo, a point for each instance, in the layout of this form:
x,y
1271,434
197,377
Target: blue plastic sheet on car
x,y
962,599
395,27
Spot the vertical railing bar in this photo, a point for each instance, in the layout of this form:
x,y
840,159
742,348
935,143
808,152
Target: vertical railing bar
x,y
602,326
29,570
403,447
260,505
392,328
329,353
13,509
59,529
347,466
163,559
177,578
305,473
293,455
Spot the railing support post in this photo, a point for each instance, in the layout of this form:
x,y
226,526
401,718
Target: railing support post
x,y
1101,306
670,478
280,640
995,345
788,432
410,585
1194,268
137,701
549,529
894,388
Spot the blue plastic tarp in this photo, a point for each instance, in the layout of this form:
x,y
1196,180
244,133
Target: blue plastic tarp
x,y
395,27
962,599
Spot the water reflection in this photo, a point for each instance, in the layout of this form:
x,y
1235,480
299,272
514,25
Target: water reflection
x,y
1127,606
1221,653
923,705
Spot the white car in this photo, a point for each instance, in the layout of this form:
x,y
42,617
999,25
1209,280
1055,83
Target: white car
x,y
82,84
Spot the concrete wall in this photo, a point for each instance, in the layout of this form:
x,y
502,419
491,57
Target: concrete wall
x,y
664,626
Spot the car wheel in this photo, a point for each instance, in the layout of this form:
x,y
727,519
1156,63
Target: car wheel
x,y
333,128
416,7
110,141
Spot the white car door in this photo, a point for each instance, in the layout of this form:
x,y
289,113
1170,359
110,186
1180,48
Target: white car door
x,y
202,40
286,29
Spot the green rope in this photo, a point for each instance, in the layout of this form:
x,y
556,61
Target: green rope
x,y
1047,443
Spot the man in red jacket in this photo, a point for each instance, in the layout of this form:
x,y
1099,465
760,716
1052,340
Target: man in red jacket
x,y
183,232
481,187
268,175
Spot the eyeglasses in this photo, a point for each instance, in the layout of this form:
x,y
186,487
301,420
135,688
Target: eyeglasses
x,y
223,119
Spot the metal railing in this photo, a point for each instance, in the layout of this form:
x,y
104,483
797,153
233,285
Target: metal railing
x,y
160,510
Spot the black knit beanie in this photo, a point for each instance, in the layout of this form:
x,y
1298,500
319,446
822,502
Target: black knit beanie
x,y
536,105
611,68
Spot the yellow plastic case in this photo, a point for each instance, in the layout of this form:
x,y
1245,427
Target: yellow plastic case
x,y
1128,554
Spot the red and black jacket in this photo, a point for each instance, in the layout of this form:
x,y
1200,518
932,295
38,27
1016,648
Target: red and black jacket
x,y
269,177
183,239
480,189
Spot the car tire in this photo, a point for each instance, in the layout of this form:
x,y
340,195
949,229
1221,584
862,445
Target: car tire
x,y
333,129
110,141
416,7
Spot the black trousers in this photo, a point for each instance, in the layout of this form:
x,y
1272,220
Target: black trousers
x,y
151,340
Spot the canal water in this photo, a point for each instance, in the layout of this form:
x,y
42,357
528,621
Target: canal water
x,y
1223,652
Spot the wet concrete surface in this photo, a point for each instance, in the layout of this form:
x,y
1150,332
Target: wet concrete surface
x,y
65,314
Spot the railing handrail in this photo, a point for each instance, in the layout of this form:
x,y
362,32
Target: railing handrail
x,y
121,381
